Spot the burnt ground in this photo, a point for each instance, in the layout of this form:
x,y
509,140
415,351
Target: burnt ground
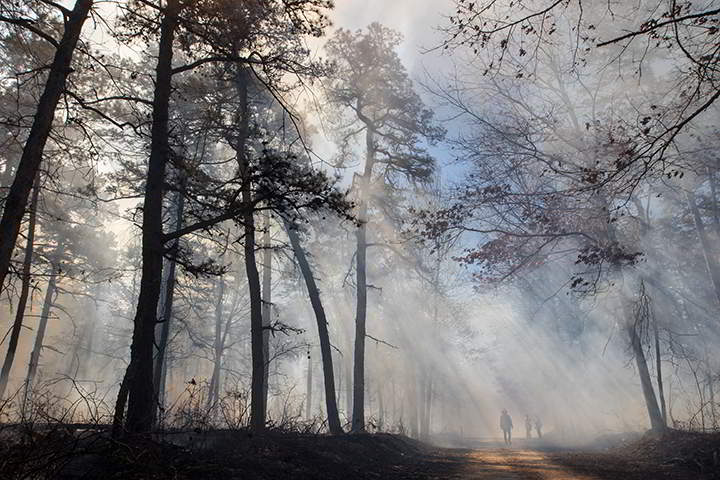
x,y
238,455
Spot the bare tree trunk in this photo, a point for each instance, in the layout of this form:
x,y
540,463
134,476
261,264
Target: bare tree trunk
x,y
381,409
308,387
412,396
218,346
40,335
16,201
348,388
715,206
427,404
656,419
358,412
658,368
323,334
139,382
168,295
711,393
258,407
24,291
266,301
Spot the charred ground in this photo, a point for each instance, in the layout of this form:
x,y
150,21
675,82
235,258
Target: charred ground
x,y
59,453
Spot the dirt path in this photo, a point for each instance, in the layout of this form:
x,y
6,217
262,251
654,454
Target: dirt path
x,y
514,464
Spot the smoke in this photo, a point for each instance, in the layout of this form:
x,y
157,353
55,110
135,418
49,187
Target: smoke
x,y
441,348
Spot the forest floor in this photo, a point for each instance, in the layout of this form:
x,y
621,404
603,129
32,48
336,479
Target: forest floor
x,y
231,455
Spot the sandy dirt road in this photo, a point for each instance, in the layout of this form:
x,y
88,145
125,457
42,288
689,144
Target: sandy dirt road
x,y
519,463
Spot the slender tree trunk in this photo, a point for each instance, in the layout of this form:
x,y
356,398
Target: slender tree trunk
x,y
381,408
715,206
358,412
348,388
631,326
266,301
139,382
77,361
323,334
40,335
427,403
412,398
658,368
258,408
17,198
168,295
24,291
711,394
656,419
218,346
710,261
308,387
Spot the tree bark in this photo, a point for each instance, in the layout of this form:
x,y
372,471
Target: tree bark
x,y
658,368
141,395
257,398
308,387
348,388
381,408
40,335
167,309
266,301
714,195
656,419
218,346
323,334
24,291
427,405
358,412
412,396
16,201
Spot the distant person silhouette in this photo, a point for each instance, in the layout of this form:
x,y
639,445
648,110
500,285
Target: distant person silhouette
x,y
538,426
528,427
506,425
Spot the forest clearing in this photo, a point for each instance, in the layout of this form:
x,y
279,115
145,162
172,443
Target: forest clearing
x,y
359,239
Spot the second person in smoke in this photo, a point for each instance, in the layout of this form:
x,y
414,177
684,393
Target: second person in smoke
x,y
538,426
528,427
506,426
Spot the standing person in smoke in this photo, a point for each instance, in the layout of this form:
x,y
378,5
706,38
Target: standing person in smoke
x,y
538,426
506,425
528,427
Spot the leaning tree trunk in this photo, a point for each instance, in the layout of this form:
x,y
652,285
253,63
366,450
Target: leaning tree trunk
x,y
322,325
656,419
32,154
24,291
266,302
358,412
138,379
40,335
658,369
